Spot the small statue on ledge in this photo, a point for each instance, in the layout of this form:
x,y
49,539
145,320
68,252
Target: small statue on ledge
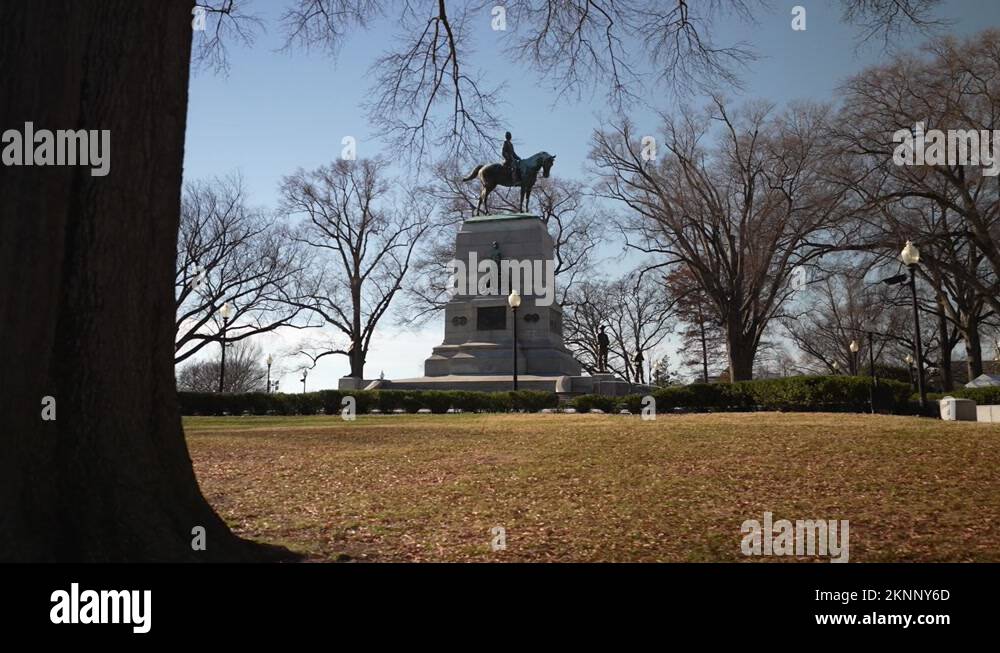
x,y
602,351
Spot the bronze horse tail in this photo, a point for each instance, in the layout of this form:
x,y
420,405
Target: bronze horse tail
x,y
473,174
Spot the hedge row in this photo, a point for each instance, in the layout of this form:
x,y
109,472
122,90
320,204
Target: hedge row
x,y
982,396
330,402
804,393
801,393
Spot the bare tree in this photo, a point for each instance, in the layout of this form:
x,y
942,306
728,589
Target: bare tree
x,y
245,371
229,252
702,337
364,242
223,21
840,309
588,308
91,320
955,85
740,212
885,20
427,93
583,44
635,312
646,318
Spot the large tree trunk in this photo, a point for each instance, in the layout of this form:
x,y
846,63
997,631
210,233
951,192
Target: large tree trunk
x,y
973,345
704,348
86,302
742,351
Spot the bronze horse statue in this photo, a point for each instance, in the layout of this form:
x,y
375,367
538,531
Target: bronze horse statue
x,y
496,174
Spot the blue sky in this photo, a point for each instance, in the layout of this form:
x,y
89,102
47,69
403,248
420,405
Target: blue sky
x,y
275,112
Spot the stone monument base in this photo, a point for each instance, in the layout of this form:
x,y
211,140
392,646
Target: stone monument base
x,y
565,386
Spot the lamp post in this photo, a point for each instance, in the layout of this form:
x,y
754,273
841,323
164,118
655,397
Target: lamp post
x,y
514,300
305,373
270,360
854,356
910,257
909,365
225,312
871,368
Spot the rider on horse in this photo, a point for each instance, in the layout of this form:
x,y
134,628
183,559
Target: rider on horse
x,y
511,159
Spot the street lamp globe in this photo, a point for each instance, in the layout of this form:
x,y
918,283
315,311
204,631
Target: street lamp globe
x,y
835,365
910,254
514,300
270,359
226,311
909,359
854,346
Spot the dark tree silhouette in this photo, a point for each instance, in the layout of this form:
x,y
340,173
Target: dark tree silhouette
x,y
230,253
86,308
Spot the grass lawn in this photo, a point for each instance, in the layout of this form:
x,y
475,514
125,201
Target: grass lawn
x,y
600,487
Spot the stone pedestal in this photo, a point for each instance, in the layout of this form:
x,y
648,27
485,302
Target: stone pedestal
x,y
478,330
477,352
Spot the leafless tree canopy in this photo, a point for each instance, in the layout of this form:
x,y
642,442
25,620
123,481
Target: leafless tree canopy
x,y
951,211
245,371
586,45
229,252
226,21
635,311
884,20
839,309
427,93
364,234
740,206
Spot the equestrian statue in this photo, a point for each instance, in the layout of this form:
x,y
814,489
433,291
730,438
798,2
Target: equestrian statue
x,y
514,171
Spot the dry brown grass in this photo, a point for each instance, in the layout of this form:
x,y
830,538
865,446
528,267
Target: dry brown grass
x,y
600,487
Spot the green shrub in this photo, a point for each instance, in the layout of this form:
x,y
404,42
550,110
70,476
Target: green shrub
x,y
701,396
437,401
982,396
330,402
805,393
828,393
802,393
632,402
533,401
587,403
